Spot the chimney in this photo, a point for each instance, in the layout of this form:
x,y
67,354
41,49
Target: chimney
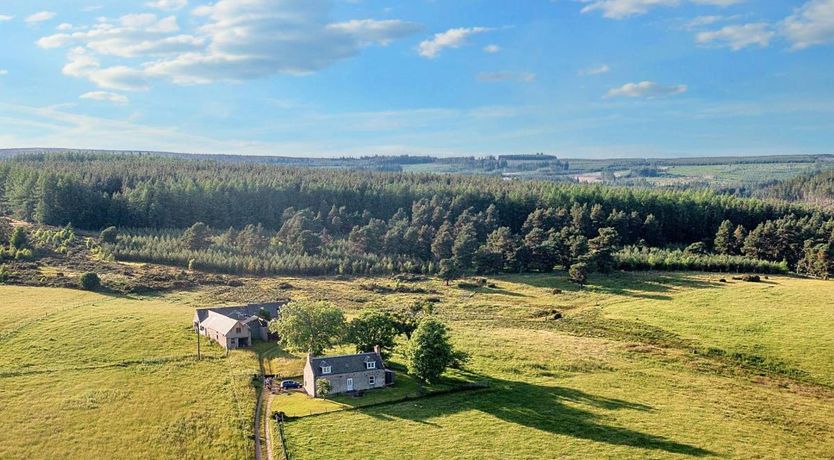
x,y
377,349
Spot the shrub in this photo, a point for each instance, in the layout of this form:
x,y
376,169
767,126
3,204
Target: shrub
x,y
578,273
19,238
109,235
89,281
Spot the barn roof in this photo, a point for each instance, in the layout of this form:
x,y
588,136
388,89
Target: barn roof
x,y
220,323
241,312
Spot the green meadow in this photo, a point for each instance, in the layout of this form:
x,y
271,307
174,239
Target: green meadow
x,y
642,365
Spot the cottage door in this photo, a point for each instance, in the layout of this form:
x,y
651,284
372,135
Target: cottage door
x,y
349,384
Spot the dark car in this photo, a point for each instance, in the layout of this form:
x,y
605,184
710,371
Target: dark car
x,y
290,384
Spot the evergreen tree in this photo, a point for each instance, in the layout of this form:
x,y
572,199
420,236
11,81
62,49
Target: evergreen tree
x,y
441,248
466,243
196,237
724,240
449,270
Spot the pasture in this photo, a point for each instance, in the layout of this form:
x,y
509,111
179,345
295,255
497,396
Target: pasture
x,y
642,365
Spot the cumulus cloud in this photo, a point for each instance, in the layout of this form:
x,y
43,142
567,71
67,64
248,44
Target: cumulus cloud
x,y
737,37
105,96
81,64
598,70
132,35
452,38
5,17
258,38
233,40
524,77
621,9
646,89
168,5
492,49
811,24
40,17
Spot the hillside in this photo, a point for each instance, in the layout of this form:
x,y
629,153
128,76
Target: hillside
x,y
816,189
656,365
249,218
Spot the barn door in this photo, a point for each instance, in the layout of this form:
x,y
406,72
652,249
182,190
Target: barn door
x,y
349,384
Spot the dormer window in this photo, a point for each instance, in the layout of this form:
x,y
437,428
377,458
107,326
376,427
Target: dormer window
x,y
370,364
326,369
237,330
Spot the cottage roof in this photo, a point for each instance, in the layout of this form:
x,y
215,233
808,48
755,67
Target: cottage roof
x,y
345,364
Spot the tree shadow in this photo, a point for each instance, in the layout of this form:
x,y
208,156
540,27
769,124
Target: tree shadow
x,y
553,409
653,286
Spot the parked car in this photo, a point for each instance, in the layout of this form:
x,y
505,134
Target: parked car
x,y
289,384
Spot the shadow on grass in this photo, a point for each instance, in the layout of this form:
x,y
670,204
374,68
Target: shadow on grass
x,y
556,410
653,286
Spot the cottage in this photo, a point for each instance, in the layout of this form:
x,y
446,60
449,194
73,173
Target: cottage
x,y
347,373
236,327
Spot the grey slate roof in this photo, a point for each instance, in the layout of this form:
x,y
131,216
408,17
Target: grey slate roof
x,y
345,364
241,312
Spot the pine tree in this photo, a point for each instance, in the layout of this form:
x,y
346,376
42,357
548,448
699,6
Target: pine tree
x,y
724,240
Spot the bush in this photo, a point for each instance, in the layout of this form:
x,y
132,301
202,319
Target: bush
x,y
89,281
109,235
751,278
579,273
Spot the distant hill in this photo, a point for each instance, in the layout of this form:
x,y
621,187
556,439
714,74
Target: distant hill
x,y
816,188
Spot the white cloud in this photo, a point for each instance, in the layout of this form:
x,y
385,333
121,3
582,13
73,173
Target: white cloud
x,y
233,40
811,24
133,35
3,72
524,77
647,89
722,3
5,17
258,38
739,36
64,26
40,16
492,49
168,5
598,70
81,64
105,96
621,9
452,38
372,32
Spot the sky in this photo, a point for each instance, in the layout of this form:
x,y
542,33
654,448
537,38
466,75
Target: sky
x,y
573,78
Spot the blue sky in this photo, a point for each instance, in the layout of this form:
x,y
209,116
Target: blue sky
x,y
575,78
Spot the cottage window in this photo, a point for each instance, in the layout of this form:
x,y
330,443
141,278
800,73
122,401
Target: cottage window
x,y
326,369
237,330
372,380
370,364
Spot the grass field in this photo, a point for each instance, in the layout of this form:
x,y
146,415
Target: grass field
x,y
90,376
617,378
643,365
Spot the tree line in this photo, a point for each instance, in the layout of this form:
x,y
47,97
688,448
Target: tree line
x,y
267,219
